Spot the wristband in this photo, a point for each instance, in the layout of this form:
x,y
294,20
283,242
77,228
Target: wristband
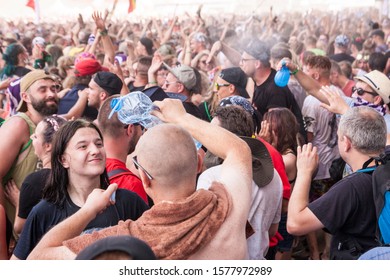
x,y
152,83
104,32
295,71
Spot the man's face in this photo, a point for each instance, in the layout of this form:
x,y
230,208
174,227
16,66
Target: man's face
x,y
43,97
171,84
94,94
248,64
196,46
364,91
222,88
340,143
138,131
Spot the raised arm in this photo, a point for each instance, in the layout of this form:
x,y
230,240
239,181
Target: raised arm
x,y
233,55
300,218
236,172
78,108
311,86
108,46
168,33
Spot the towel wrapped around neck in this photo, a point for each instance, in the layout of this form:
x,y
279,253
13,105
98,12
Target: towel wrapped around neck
x,y
173,229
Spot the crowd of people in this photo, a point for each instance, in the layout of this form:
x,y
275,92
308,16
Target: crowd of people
x,y
78,180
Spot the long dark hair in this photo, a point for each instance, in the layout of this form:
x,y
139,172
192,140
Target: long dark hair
x,y
283,122
55,190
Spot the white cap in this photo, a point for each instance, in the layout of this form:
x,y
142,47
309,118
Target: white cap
x,y
38,41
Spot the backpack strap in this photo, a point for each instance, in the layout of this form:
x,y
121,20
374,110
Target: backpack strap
x,y
119,171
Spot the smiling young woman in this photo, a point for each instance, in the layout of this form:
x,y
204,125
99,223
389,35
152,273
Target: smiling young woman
x,y
78,163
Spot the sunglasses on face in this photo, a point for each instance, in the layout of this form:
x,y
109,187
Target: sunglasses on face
x,y
361,91
218,86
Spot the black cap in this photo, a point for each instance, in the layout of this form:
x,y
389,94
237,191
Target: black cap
x,y
136,248
236,77
378,32
108,81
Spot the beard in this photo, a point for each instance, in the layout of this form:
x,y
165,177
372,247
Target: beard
x,y
44,109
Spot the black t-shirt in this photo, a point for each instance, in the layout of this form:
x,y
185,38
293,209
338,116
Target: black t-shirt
x,y
31,191
70,99
45,215
21,71
268,95
341,57
205,111
348,209
192,109
132,88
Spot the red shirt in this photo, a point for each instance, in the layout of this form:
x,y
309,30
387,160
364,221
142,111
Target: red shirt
x,y
126,180
277,160
347,89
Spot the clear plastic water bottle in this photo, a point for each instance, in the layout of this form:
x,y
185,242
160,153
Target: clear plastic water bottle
x,y
282,76
135,107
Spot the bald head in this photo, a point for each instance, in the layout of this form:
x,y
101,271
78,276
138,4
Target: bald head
x,y
168,152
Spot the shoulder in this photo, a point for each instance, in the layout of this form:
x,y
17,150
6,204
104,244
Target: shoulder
x,y
15,123
14,134
38,176
289,158
127,196
43,207
354,183
112,163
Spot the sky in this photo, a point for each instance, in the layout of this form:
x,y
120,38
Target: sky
x,y
63,9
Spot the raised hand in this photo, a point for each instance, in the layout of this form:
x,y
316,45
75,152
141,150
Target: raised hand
x,y
99,20
337,104
307,159
169,110
99,199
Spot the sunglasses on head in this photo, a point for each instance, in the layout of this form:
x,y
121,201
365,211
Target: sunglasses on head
x,y
361,57
361,91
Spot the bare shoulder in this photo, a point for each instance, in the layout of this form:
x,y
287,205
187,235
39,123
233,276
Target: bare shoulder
x,y
14,133
289,159
53,253
15,127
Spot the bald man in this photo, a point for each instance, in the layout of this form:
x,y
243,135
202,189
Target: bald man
x,y
183,223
